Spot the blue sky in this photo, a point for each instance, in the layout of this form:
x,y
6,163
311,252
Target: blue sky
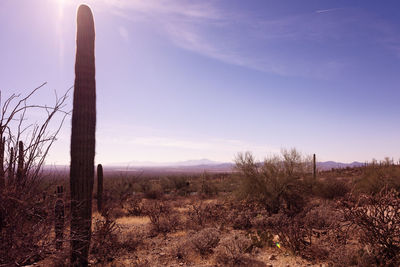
x,y
180,80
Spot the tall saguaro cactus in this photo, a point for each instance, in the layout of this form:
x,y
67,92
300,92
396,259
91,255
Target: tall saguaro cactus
x,y
83,138
100,188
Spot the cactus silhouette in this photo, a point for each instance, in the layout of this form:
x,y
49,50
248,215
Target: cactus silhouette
x,y
20,168
83,138
314,168
11,167
2,174
59,218
99,188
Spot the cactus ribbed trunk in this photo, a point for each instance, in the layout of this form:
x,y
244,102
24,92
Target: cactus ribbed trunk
x,y
11,167
314,168
2,173
20,168
99,188
59,209
83,138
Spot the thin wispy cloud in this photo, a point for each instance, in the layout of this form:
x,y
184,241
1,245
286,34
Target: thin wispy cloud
x,y
327,10
206,29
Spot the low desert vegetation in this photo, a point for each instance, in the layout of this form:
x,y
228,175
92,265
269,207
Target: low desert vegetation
x,y
272,211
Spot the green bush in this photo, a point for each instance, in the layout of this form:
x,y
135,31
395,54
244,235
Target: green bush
x,y
277,183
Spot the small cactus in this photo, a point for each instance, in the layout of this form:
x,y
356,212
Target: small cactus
x,y
99,188
2,173
11,167
20,168
59,218
314,168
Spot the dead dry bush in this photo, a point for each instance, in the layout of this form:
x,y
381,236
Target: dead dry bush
x,y
26,218
163,218
26,228
205,241
377,218
233,251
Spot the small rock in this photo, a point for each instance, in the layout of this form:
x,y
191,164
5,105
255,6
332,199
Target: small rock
x,y
181,263
162,254
272,257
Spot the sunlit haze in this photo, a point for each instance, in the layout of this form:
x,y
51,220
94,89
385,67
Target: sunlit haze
x,y
182,80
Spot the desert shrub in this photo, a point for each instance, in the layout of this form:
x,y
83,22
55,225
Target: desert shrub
x,y
181,251
292,231
276,182
207,187
375,177
344,256
135,206
241,214
201,215
180,185
105,244
261,238
131,241
162,217
117,190
378,219
205,240
155,191
332,188
232,252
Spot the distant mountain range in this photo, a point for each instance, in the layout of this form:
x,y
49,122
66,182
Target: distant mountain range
x,y
193,166
209,165
167,164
